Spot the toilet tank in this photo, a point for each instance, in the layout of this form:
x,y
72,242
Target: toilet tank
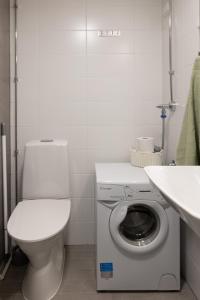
x,y
46,170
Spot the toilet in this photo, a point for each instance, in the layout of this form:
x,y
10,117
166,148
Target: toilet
x,y
38,221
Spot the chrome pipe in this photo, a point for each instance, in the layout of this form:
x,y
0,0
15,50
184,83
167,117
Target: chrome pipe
x,y
5,185
16,99
163,134
171,71
199,29
163,116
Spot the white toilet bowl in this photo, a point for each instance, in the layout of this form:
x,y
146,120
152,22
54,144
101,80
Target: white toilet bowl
x,y
37,223
37,227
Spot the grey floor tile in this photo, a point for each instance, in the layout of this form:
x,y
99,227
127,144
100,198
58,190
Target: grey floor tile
x,y
80,264
12,297
8,286
83,296
79,281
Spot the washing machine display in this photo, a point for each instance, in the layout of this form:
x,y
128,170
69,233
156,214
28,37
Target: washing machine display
x,y
138,233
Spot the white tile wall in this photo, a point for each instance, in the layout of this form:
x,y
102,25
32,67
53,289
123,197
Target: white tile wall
x,y
110,14
61,14
99,93
185,36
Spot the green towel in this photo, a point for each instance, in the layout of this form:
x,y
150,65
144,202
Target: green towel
x,y
188,147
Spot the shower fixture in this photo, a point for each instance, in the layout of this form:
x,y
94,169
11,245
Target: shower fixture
x,y
171,106
172,103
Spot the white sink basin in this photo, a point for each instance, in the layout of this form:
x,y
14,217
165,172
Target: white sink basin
x,y
181,186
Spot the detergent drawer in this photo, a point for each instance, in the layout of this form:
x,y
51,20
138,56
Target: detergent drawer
x,y
110,192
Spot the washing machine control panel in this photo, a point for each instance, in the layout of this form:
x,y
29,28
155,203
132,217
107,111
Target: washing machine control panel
x,y
141,191
114,192
110,192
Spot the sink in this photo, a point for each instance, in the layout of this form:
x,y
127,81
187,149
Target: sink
x,y
181,187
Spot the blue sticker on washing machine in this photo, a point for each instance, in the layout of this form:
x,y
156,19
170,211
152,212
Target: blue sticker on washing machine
x,y
106,270
106,267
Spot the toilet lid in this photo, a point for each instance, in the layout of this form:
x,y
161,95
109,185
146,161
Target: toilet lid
x,y
37,220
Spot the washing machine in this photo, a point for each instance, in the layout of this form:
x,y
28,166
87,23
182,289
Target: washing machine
x,y
137,232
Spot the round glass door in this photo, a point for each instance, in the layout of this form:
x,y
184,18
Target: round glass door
x,y
140,225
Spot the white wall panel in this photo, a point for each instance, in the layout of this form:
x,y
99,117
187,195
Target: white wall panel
x,y
98,93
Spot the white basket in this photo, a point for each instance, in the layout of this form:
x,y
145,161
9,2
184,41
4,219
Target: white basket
x,y
143,159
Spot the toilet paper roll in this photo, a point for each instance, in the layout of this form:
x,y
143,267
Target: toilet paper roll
x,y
145,144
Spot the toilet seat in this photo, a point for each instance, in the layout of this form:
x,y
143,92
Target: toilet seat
x,y
37,220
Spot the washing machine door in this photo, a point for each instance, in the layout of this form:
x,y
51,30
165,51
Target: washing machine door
x,y
138,226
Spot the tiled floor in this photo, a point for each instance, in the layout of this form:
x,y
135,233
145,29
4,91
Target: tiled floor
x,y
79,281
